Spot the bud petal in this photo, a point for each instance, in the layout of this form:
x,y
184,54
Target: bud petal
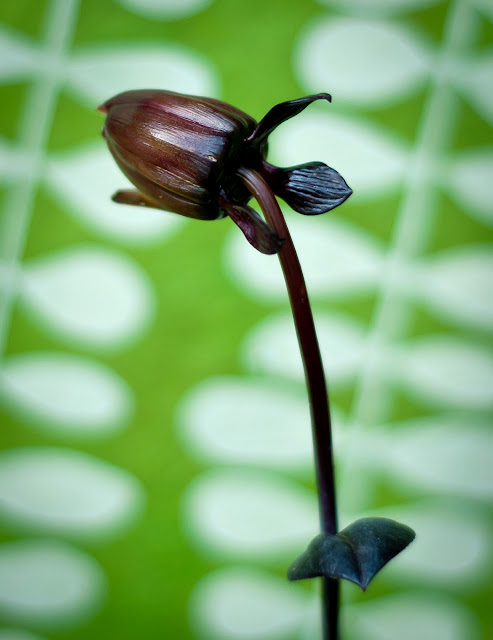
x,y
176,149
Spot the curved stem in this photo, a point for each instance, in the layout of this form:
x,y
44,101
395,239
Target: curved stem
x,y
315,380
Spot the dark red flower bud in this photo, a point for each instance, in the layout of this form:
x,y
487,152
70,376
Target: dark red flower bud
x,y
183,154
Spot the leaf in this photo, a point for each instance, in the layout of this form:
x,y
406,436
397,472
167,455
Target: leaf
x,y
271,424
67,394
458,283
357,553
447,371
100,73
14,162
65,492
250,604
84,181
165,9
89,294
249,513
10,633
469,183
18,56
363,61
423,614
338,260
448,454
272,346
370,160
383,7
485,7
49,584
476,81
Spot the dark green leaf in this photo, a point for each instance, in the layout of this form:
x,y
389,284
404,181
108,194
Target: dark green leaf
x,y
357,553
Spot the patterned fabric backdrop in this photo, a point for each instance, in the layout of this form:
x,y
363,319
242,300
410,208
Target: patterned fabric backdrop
x,y
156,470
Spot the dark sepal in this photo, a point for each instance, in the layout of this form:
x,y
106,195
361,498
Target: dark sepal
x,y
311,188
133,197
281,112
357,553
254,228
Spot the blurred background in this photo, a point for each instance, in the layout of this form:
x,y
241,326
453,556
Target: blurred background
x,y
156,471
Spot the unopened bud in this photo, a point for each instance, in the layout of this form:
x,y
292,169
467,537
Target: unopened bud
x,y
183,154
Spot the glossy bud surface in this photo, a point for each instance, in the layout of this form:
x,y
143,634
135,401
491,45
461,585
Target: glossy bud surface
x,y
179,151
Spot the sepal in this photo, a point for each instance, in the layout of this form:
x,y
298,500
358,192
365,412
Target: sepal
x,y
357,553
310,189
133,197
280,113
254,228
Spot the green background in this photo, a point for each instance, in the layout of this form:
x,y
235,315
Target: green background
x,y
202,313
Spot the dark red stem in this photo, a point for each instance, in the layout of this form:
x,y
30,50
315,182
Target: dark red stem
x,y
315,380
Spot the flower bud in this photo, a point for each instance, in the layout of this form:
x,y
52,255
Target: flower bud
x,y
176,149
183,154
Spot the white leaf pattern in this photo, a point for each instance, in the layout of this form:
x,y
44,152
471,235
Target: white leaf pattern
x,y
338,260
86,179
89,294
369,159
451,549
458,283
385,7
247,604
447,453
97,75
165,9
476,80
261,424
272,346
66,492
428,616
469,182
18,56
14,162
65,393
485,7
447,372
18,634
249,514
377,62
49,584
264,423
